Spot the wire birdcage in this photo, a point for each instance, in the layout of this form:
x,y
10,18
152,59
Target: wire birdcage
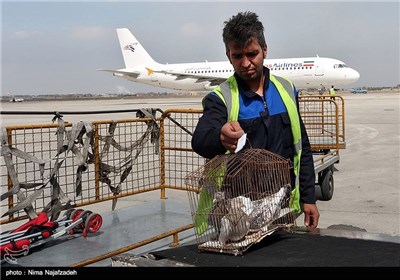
x,y
240,199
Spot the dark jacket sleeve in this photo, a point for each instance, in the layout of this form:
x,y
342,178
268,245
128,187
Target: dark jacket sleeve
x,y
307,172
205,140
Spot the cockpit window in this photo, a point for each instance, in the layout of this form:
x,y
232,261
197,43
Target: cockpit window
x,y
340,66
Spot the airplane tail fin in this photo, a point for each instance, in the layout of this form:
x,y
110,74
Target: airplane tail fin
x,y
132,51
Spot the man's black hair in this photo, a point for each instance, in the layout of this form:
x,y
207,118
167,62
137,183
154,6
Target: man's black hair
x,y
241,28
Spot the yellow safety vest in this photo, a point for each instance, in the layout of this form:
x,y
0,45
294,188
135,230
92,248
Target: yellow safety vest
x,y
228,91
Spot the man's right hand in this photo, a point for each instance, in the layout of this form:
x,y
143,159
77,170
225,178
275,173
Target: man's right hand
x,y
230,133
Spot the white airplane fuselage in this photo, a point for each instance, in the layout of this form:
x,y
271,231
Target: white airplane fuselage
x,y
305,72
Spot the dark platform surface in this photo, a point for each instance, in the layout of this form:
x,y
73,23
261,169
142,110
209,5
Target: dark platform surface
x,y
295,249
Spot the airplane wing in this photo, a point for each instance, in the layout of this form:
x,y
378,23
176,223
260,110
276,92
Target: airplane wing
x,y
133,74
214,81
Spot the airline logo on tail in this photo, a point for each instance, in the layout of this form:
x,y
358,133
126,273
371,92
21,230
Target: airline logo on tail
x,y
130,47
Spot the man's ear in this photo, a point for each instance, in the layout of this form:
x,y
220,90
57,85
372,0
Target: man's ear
x,y
265,52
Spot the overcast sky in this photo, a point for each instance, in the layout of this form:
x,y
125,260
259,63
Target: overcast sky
x,y
55,47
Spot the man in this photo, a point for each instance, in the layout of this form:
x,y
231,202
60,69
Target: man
x,y
261,105
332,92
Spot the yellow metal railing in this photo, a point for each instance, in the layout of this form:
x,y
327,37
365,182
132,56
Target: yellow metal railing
x,y
125,159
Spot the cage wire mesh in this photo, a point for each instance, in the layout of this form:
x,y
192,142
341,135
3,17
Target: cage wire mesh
x,y
239,199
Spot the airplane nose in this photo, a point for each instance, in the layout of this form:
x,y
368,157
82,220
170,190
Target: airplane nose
x,y
354,75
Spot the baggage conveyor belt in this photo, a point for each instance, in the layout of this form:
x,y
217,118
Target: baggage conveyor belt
x,y
333,248
133,224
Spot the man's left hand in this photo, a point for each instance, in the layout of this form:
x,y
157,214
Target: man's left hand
x,y
311,215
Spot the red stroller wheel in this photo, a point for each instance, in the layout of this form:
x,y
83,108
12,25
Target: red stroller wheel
x,y
93,222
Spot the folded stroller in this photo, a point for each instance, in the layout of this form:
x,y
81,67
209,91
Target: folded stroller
x,y
40,230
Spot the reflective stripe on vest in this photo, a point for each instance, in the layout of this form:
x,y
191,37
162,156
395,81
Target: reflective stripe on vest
x,y
229,93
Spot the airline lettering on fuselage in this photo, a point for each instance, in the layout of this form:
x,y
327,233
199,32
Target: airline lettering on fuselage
x,y
199,69
291,65
130,47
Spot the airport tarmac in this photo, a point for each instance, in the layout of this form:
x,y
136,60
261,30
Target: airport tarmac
x,y
366,181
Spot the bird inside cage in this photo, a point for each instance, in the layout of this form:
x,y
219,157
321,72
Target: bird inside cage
x,y
240,194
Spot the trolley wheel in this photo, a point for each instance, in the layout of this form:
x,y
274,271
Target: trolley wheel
x,y
93,222
327,186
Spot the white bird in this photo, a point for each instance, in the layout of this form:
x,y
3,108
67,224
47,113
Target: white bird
x,y
267,209
235,224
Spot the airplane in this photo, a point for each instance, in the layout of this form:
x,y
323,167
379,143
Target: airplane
x,y
16,99
303,72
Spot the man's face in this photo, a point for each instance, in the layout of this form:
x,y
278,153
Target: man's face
x,y
247,61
